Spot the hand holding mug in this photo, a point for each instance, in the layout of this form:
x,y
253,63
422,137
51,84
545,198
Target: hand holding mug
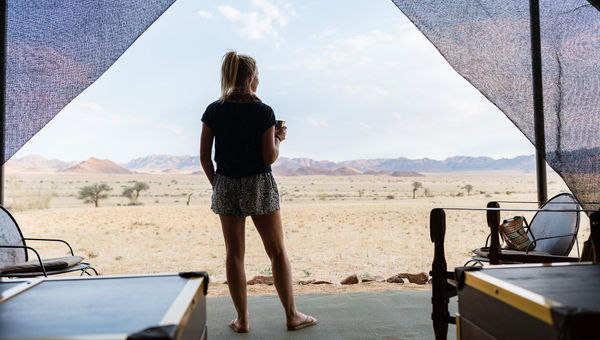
x,y
280,130
280,133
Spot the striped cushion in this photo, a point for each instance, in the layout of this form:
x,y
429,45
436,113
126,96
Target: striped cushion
x,y
514,235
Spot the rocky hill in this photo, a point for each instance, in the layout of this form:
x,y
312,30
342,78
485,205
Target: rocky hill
x,y
95,165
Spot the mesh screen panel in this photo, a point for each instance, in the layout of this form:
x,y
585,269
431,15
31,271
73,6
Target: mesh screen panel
x,y
10,236
56,49
488,43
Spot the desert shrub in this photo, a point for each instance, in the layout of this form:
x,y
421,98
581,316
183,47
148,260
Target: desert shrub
x,y
133,192
416,186
93,193
428,193
266,271
389,197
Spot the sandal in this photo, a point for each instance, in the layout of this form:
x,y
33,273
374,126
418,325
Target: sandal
x,y
309,321
235,328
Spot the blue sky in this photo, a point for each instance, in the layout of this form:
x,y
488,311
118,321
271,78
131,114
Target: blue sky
x,y
353,79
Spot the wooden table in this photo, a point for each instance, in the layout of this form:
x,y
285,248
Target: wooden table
x,y
558,301
104,307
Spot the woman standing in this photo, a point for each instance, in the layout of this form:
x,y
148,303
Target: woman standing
x,y
246,144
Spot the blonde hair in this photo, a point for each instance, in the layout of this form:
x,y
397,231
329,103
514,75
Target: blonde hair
x,y
236,72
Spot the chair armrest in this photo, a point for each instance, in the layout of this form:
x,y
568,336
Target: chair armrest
x,y
555,236
534,258
493,221
28,248
50,240
440,291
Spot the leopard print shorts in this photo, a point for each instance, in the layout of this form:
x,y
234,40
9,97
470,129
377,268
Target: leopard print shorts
x,y
247,196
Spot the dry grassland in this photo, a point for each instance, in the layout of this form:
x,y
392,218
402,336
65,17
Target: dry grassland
x,y
334,226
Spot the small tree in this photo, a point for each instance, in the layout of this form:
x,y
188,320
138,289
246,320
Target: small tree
x,y
93,193
428,193
469,188
133,192
416,186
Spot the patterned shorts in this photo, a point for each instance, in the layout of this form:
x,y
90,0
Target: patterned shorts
x,y
247,196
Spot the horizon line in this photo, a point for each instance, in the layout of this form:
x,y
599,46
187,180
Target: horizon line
x,y
282,156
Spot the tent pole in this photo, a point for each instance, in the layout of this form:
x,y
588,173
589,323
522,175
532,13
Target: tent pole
x,y
538,102
3,20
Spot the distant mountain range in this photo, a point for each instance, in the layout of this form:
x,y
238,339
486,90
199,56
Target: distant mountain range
x,y
36,163
284,166
164,163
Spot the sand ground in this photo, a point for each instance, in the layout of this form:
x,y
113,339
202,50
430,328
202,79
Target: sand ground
x,y
334,226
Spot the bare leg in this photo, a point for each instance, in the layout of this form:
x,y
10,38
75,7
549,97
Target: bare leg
x,y
270,228
234,234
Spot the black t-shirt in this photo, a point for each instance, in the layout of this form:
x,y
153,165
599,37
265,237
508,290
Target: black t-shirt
x,y
238,130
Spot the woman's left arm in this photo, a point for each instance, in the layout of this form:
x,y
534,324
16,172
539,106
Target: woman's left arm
x,y
270,143
206,143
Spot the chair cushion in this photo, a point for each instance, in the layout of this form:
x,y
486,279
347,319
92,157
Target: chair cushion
x,y
49,264
514,234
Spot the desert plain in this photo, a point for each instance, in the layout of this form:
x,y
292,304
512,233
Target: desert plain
x,y
334,226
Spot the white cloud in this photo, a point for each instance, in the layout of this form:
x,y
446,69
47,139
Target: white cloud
x,y
176,129
264,20
391,93
87,128
377,65
230,13
93,107
272,11
316,123
205,14
373,51
325,33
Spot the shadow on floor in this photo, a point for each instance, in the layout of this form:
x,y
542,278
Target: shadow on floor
x,y
382,315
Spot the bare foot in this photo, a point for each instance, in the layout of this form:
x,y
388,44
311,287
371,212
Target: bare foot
x,y
300,321
239,326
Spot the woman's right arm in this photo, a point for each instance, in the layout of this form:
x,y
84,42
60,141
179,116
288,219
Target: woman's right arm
x,y
206,143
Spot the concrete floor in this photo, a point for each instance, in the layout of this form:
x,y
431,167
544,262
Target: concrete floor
x,y
387,315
